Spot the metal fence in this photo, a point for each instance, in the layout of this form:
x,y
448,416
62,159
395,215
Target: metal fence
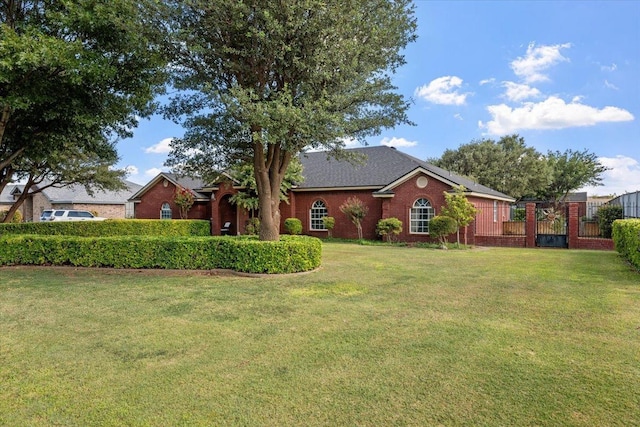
x,y
506,219
499,219
630,203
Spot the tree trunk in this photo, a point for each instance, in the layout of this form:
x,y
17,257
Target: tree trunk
x,y
269,172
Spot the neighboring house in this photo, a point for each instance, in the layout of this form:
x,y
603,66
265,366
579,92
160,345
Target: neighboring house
x,y
107,204
390,182
8,196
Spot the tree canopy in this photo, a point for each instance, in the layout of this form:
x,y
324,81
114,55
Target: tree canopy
x,y
74,76
571,170
263,80
513,168
506,165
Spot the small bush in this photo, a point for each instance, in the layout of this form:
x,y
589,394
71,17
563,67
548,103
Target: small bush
x,y
606,215
441,226
253,226
329,222
519,214
17,216
289,255
389,227
293,226
626,238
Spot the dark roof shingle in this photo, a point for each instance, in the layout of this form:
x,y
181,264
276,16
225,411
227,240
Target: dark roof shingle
x,y
383,166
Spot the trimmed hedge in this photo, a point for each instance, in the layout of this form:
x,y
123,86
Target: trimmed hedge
x,y
112,227
289,255
626,237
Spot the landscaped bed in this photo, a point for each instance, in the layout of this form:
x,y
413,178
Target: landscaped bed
x,y
379,335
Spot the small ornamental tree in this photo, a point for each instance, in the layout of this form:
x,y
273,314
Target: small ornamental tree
x,y
355,210
460,209
440,227
329,222
184,199
293,226
389,227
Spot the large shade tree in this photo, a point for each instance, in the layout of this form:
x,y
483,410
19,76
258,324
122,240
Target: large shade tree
x,y
75,75
570,171
263,80
507,165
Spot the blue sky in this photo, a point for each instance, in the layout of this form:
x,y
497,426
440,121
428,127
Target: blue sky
x,y
563,75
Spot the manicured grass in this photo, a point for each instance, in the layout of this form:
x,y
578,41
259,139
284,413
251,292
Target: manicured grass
x,y
378,336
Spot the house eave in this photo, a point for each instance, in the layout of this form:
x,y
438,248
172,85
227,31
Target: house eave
x,y
491,197
354,188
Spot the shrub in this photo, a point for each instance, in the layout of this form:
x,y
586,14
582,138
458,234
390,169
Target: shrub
x,y
289,255
17,216
519,214
293,226
389,227
626,237
441,226
253,226
112,227
606,215
329,222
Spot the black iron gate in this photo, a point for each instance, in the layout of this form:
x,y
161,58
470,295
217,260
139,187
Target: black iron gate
x,y
551,227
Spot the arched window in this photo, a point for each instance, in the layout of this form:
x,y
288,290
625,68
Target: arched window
x,y
318,211
165,211
421,214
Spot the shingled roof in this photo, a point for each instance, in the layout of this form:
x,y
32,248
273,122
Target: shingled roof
x,y
78,194
382,167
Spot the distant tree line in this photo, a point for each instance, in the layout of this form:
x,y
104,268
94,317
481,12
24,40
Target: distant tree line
x,y
511,167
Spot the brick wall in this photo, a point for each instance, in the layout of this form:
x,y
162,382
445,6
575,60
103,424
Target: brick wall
x,y
333,200
164,192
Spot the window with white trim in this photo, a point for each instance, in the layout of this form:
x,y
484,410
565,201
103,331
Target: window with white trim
x,y
421,214
495,211
165,211
318,211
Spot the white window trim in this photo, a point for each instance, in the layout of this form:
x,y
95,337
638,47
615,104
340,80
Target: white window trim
x,y
423,233
311,219
162,210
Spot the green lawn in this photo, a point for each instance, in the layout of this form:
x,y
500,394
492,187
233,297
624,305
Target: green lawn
x,y
378,336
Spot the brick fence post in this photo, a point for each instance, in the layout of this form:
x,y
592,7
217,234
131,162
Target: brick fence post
x,y
530,225
573,225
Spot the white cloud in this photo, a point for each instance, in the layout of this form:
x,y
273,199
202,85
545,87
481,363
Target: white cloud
x,y
520,92
162,147
153,172
347,143
487,81
610,68
443,91
398,142
131,170
623,177
538,59
552,113
458,116
610,85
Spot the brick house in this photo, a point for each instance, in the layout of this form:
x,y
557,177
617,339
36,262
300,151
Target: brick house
x,y
391,183
107,204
